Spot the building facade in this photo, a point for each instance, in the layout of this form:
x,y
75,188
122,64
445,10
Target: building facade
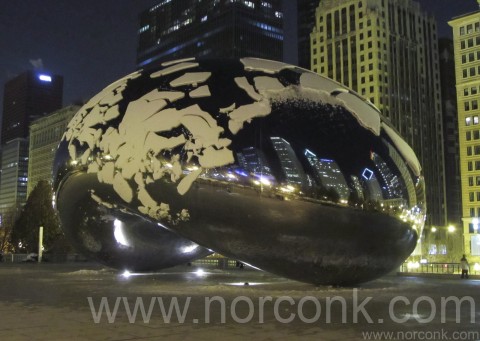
x,y
388,52
28,96
13,182
466,41
45,135
176,29
450,132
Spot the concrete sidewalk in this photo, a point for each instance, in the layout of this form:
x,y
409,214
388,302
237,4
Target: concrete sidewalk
x,y
50,302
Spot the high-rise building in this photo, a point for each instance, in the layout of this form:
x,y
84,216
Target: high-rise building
x,y
28,96
176,29
466,42
254,161
45,135
299,20
328,174
291,166
306,21
387,51
13,182
450,132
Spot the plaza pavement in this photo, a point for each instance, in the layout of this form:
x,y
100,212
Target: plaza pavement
x,y
50,302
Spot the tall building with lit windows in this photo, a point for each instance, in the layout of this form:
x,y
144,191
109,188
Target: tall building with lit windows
x,y
44,138
28,96
466,41
388,52
292,168
13,182
176,29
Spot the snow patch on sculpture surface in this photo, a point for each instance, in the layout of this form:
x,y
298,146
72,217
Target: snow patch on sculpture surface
x,y
140,149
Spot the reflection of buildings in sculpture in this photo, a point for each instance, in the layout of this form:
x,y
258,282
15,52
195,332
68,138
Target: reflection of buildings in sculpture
x,y
329,174
291,166
357,186
254,161
405,173
374,191
392,188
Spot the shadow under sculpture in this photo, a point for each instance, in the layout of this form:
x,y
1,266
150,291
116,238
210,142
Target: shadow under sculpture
x,y
258,160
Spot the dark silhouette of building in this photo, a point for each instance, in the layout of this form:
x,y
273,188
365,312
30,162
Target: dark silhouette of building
x,y
27,97
306,23
450,132
176,29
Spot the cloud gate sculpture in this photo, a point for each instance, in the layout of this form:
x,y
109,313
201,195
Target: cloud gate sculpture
x,y
258,160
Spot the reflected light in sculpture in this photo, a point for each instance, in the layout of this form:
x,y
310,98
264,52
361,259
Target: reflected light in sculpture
x,y
118,233
258,160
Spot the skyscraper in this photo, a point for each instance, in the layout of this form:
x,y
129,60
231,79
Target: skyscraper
x,y
466,42
387,51
291,166
13,182
175,29
45,135
450,132
299,20
26,97
306,22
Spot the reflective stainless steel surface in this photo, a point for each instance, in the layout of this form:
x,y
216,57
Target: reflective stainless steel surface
x,y
258,160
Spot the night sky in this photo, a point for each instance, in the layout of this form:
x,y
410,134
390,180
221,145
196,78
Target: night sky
x,y
93,42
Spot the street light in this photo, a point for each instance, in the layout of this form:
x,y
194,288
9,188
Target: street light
x,y
434,229
451,228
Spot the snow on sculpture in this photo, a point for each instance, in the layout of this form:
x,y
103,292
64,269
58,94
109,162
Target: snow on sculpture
x,y
228,153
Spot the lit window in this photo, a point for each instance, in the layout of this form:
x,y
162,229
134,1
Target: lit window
x,y
144,29
468,120
475,119
249,4
475,245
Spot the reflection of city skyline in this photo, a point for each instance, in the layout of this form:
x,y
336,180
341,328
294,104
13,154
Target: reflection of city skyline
x,y
328,174
253,160
392,188
291,166
305,170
